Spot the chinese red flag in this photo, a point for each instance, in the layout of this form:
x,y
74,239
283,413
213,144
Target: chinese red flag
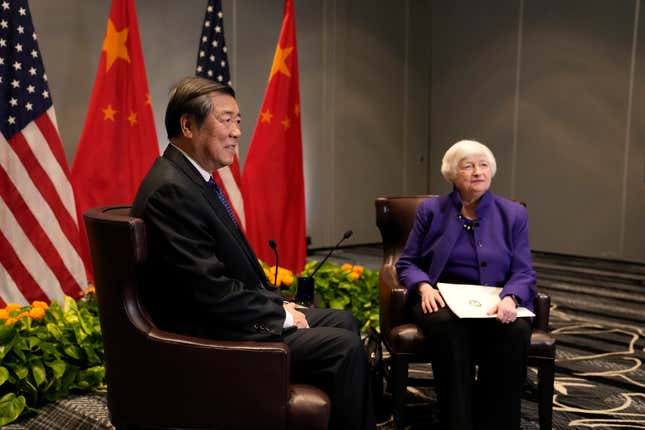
x,y
119,141
272,179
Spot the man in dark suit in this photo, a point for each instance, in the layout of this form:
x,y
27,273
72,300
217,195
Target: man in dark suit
x,y
202,277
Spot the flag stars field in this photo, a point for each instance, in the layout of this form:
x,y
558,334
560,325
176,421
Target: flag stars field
x,y
108,113
266,116
114,45
132,119
279,62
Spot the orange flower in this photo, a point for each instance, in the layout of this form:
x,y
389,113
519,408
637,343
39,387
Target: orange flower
x,y
346,266
38,304
353,276
358,269
288,280
37,313
10,321
91,289
22,315
4,314
12,307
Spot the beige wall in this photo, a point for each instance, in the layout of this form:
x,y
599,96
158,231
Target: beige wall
x,y
555,88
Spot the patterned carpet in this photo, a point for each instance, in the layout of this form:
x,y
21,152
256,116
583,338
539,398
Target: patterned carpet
x,y
597,318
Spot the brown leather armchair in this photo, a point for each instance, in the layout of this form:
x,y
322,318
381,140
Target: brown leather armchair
x,y
404,340
163,380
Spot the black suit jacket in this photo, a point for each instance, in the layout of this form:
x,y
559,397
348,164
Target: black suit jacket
x,y
201,278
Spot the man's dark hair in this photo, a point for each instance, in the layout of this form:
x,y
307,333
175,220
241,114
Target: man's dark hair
x,y
190,96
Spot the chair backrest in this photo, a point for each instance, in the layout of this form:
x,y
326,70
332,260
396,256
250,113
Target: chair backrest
x,y
118,249
395,216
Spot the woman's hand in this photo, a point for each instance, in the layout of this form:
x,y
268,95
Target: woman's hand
x,y
506,310
431,299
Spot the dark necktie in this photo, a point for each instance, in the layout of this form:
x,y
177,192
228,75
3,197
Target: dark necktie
x,y
222,198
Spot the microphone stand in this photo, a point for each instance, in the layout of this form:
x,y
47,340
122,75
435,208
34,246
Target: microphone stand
x,y
305,292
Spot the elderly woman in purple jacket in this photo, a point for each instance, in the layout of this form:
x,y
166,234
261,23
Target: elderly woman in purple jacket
x,y
472,236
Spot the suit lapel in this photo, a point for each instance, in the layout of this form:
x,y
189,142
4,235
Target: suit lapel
x,y
220,212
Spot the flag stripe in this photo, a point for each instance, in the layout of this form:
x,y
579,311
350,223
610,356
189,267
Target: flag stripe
x,y
10,291
12,268
39,186
52,181
20,188
37,280
27,222
48,128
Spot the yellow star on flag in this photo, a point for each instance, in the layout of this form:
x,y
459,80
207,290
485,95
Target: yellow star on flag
x,y
132,118
267,116
279,61
296,109
286,122
108,113
148,99
114,45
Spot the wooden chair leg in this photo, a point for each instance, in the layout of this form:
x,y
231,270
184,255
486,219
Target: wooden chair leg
x,y
399,381
546,380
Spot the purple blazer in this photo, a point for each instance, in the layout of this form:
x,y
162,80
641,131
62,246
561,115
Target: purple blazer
x,y
501,244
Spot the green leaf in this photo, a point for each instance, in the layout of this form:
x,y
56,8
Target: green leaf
x,y
6,333
58,368
49,349
21,371
4,374
33,342
38,372
11,406
73,351
54,330
91,377
8,346
339,303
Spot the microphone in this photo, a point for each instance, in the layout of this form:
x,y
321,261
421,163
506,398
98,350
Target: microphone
x,y
346,235
274,246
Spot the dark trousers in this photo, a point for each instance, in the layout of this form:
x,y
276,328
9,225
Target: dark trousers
x,y
330,355
486,397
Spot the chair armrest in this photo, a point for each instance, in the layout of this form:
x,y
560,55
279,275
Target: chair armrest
x,y
207,377
241,364
393,298
542,307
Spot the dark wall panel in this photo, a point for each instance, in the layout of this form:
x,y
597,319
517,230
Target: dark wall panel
x,y
474,52
572,121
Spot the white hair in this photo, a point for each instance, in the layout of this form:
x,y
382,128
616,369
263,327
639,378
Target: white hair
x,y
461,150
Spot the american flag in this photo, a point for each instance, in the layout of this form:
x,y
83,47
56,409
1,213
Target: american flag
x,y
39,246
212,63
